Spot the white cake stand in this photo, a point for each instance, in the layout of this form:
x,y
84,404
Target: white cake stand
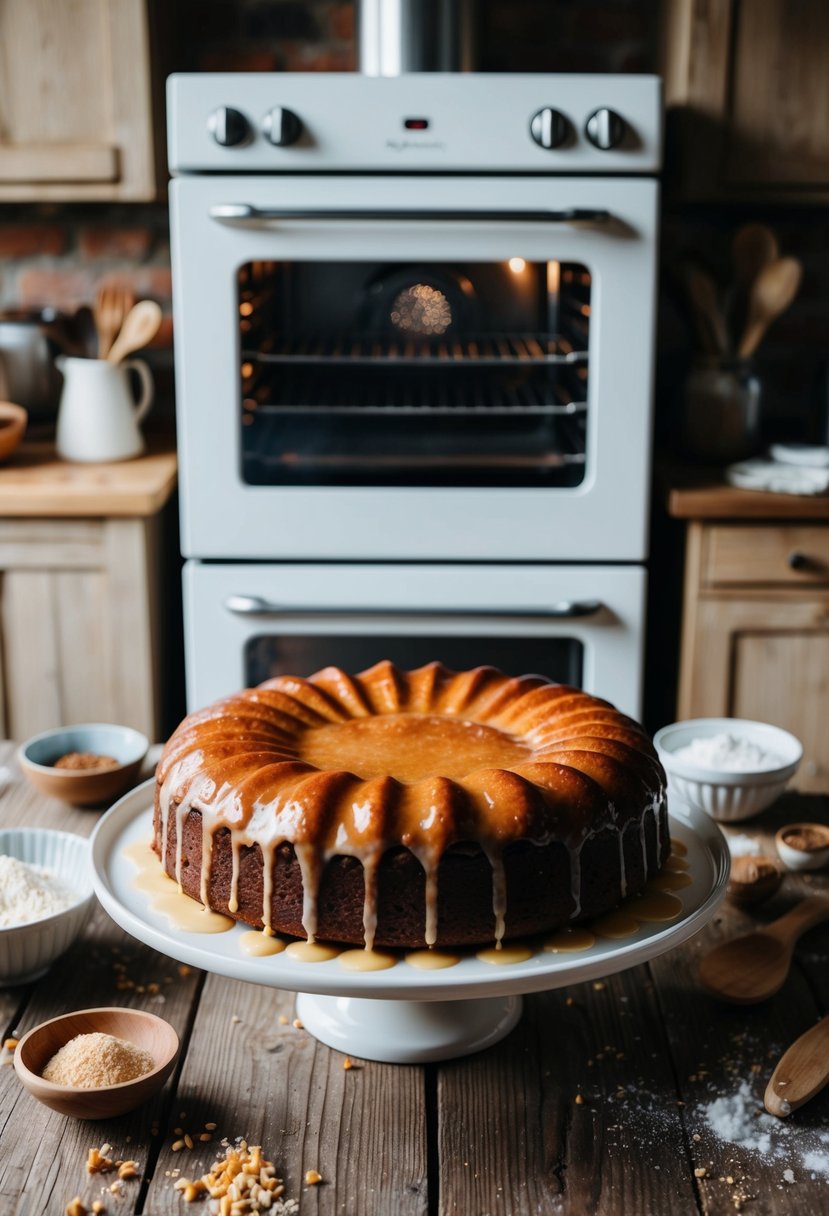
x,y
402,1015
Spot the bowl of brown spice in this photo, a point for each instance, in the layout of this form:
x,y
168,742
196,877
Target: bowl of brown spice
x,y
87,765
97,1063
803,846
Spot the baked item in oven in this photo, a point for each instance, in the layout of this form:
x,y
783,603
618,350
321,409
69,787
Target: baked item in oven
x,y
410,808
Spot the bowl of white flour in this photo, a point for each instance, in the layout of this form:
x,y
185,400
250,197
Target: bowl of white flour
x,y
45,896
731,768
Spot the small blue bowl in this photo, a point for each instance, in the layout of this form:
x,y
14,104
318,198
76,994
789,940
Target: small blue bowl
x,y
84,786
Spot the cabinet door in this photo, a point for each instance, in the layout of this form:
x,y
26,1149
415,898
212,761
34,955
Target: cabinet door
x,y
747,92
76,119
767,659
779,131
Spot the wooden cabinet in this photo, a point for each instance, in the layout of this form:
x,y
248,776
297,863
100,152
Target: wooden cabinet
x,y
747,92
755,632
80,593
76,101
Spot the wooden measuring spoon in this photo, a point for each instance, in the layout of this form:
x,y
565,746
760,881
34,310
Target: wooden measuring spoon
x,y
752,968
801,1072
141,324
771,294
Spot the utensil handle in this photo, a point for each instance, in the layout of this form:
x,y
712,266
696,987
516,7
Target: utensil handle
x,y
752,337
809,912
147,387
801,1072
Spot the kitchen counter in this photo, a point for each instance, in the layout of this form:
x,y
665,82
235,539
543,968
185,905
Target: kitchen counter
x,y
34,482
694,493
595,1103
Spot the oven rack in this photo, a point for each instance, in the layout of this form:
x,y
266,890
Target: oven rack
x,y
481,350
313,392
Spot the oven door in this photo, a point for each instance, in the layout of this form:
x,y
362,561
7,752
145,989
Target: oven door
x,y
414,367
581,625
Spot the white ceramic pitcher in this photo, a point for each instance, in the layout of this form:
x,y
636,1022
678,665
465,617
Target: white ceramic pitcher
x,y
98,418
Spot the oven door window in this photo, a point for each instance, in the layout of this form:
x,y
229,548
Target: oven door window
x,y
558,658
354,373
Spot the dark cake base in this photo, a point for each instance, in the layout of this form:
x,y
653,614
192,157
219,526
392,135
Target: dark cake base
x,y
539,897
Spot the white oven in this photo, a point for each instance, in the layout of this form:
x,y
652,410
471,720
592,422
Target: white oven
x,y
246,622
414,344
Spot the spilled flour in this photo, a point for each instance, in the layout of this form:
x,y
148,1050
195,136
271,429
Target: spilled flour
x,y
734,1118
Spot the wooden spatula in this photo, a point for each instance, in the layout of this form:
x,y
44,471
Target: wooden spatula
x,y
801,1073
752,968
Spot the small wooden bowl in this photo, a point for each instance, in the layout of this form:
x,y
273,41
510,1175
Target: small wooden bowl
x,y
13,420
145,1030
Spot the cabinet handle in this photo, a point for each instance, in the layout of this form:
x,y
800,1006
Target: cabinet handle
x,y
799,561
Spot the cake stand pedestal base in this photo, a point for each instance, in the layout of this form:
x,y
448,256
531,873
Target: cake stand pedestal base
x,y
408,1032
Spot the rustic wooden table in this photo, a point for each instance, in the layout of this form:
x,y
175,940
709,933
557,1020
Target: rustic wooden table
x,y
608,1097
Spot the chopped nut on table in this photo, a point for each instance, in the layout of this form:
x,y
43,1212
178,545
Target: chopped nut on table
x,y
241,1182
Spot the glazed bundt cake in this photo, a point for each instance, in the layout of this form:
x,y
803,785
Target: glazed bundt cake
x,y
403,808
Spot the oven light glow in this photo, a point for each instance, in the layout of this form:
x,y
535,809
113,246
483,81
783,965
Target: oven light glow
x,y
245,309
517,265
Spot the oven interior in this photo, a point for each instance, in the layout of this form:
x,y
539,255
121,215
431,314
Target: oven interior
x,y
439,374
268,655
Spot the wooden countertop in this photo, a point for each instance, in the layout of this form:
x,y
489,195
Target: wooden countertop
x,y
692,493
597,1102
35,482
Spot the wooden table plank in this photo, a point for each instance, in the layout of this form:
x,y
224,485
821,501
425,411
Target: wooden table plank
x,y
719,1048
513,1138
272,1084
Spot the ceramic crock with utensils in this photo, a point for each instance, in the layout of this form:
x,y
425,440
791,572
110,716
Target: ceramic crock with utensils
x,y
98,418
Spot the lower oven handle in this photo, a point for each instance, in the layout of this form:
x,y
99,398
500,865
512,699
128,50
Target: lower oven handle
x,y
246,213
256,605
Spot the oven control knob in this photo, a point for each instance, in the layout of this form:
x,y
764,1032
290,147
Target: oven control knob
x,y
549,128
228,127
281,126
605,129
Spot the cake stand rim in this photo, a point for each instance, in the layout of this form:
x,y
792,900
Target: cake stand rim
x,y
453,983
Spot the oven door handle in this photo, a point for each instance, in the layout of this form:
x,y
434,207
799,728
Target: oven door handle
x,y
247,214
256,605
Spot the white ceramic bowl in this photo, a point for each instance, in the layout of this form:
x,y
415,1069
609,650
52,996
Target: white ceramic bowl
x,y
27,951
727,796
89,786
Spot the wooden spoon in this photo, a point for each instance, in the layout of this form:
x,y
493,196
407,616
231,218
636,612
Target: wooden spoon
x,y
711,327
140,327
112,304
771,294
752,968
801,1072
753,247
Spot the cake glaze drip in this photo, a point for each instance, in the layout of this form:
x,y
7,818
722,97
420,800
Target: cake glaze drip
x,y
428,761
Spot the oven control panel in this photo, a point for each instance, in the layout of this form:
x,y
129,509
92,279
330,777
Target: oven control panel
x,y
425,122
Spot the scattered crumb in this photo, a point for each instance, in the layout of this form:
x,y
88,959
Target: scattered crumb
x,y
298,1025
235,1019
313,1178
348,1063
283,1019
599,986
579,1100
788,1176
700,1171
183,969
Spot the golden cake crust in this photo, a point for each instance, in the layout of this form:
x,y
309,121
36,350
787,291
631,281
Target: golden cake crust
x,y
430,762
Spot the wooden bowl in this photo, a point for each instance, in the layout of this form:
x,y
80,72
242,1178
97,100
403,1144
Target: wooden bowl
x,y
145,1030
91,787
13,419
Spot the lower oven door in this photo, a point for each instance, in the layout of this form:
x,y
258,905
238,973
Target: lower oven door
x,y
581,625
